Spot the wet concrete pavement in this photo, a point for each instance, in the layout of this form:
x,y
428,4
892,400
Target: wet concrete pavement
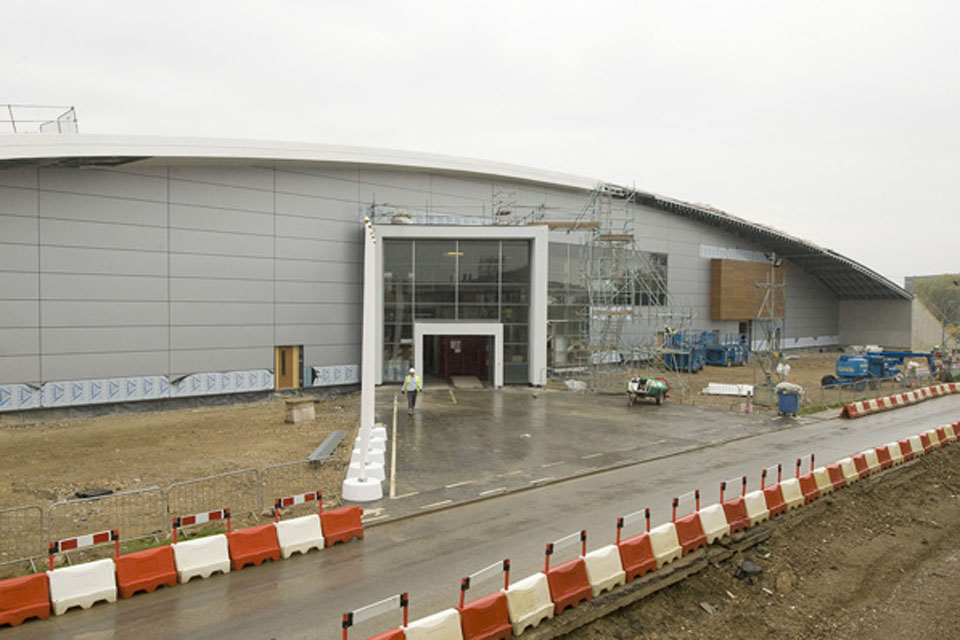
x,y
463,445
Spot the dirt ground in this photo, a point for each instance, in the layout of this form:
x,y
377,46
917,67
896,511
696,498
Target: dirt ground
x,y
880,560
51,461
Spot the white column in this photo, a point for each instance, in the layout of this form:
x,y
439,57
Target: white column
x,y
362,485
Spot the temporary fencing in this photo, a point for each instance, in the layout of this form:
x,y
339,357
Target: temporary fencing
x,y
140,512
22,534
377,609
298,477
239,489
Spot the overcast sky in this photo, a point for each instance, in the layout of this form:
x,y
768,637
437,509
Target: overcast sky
x,y
833,121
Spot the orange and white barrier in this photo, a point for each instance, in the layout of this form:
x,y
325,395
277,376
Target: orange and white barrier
x,y
202,556
689,529
714,522
376,609
486,617
636,553
792,494
755,503
849,470
604,570
568,581
874,405
298,535
443,625
665,544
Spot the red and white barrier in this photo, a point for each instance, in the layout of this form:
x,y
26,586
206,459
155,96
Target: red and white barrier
x,y
376,609
773,495
734,508
755,503
849,470
443,625
88,540
665,544
202,556
299,535
568,581
636,553
604,570
689,529
866,407
529,603
485,618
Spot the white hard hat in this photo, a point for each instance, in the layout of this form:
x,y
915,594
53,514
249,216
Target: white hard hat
x,y
412,370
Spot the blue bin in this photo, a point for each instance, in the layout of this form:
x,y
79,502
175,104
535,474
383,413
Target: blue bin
x,y
788,402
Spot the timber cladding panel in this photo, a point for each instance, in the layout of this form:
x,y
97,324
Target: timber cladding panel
x,y
734,294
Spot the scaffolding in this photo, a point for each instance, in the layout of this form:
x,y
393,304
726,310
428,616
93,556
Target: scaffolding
x,y
771,322
634,326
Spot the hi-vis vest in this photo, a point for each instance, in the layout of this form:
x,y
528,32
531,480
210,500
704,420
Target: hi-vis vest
x,y
416,386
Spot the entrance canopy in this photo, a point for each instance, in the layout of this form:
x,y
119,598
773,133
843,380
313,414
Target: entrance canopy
x,y
435,328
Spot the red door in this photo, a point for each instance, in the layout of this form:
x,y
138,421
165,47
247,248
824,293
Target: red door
x,y
463,356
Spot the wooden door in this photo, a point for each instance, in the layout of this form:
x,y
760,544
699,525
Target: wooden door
x,y
287,367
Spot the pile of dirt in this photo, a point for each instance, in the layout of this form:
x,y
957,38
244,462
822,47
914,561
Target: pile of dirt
x,y
876,560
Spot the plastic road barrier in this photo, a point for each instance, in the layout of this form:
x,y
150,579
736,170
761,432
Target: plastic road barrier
x,y
835,473
636,554
377,609
568,581
299,535
201,557
808,485
934,437
942,436
755,503
714,522
486,618
822,479
253,546
772,494
734,509
895,453
342,525
146,570
604,570
89,540
860,464
529,603
849,470
689,530
82,585
665,544
926,443
443,625
951,432
23,598
906,449
792,493
917,445
884,457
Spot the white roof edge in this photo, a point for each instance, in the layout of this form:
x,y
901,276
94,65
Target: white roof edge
x,y
37,146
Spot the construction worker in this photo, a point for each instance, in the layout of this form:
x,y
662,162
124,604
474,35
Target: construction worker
x,y
412,386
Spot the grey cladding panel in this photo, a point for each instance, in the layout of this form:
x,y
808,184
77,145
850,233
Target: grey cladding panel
x,y
316,356
235,174
348,229
343,187
104,182
198,360
18,286
220,196
210,242
221,337
71,206
207,219
102,261
203,290
104,339
310,271
17,257
318,292
87,313
318,334
323,313
18,201
19,229
19,342
193,265
19,177
104,365
220,313
402,179
61,286
301,248
19,313
69,233
24,369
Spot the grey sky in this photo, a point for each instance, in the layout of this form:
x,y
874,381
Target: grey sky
x,y
833,121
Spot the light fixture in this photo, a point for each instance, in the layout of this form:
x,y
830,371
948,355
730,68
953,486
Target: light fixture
x,y
454,253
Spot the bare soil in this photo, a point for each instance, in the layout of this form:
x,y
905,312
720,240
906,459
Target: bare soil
x,y
878,560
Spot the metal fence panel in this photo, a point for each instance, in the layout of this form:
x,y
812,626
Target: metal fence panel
x,y
134,514
301,476
21,534
238,491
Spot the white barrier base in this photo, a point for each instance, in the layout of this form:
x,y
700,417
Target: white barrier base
x,y
604,570
374,470
373,455
299,535
201,557
356,490
82,585
443,625
529,603
713,519
378,433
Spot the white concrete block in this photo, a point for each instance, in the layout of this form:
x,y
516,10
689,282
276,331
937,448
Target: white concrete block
x,y
201,557
299,535
756,505
443,625
714,522
604,570
665,544
82,585
529,603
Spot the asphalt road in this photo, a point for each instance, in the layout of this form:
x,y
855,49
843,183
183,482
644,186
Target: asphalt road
x,y
426,556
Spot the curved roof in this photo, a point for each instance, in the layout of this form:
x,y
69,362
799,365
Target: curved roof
x,y
846,278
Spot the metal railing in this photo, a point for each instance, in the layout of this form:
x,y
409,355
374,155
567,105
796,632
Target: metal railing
x,y
144,513
35,118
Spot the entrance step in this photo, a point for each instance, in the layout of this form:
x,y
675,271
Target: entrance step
x,y
466,382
